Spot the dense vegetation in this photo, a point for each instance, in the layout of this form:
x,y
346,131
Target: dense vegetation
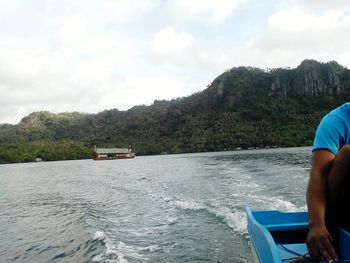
x,y
243,107
45,150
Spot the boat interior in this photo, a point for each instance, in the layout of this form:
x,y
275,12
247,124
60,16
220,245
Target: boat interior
x,y
286,235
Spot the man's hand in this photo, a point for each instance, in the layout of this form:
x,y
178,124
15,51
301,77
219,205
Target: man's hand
x,y
319,243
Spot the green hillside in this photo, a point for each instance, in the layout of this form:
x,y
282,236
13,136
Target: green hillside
x,y
243,107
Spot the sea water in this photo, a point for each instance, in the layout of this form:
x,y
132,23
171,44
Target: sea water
x,y
168,208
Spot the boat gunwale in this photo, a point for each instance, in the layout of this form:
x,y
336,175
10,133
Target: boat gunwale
x,y
251,221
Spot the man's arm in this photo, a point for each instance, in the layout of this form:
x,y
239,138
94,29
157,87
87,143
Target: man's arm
x,y
319,240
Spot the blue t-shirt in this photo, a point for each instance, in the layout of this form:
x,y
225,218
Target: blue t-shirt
x,y
333,131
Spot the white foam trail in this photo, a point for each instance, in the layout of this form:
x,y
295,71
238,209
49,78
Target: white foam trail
x,y
171,220
190,205
133,250
283,205
274,203
233,218
110,251
116,254
236,219
99,235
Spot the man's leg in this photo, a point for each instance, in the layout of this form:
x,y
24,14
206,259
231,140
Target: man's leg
x,y
338,187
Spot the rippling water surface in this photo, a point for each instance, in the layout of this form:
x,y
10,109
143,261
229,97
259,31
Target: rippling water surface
x,y
169,208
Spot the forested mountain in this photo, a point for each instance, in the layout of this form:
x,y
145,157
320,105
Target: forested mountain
x,y
243,107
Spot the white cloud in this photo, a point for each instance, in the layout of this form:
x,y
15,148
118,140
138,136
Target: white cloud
x,y
322,5
297,20
295,34
168,41
20,62
142,90
73,32
126,10
216,10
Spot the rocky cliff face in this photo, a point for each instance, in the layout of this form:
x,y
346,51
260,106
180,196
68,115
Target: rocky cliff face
x,y
243,87
34,121
310,78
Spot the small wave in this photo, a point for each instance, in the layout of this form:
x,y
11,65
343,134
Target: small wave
x,y
235,219
275,203
281,204
110,253
190,205
134,251
121,251
99,235
171,220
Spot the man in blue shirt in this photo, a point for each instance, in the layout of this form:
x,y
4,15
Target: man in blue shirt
x,y
329,184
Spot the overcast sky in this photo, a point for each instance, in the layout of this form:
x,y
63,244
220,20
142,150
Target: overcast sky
x,y
91,55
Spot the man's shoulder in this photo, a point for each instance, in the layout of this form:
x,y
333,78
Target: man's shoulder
x,y
342,111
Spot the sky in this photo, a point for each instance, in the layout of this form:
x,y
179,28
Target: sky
x,y
93,55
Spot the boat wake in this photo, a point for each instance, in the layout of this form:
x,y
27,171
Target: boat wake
x,y
110,252
121,252
263,202
234,218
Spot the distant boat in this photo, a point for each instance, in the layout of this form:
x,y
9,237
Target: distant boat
x,y
278,237
113,153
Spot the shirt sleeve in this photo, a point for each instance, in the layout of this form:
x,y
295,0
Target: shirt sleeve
x,y
330,134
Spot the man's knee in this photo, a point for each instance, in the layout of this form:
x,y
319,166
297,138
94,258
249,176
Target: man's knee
x,y
344,154
338,179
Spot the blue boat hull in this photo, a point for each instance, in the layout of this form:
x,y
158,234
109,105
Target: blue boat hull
x,y
278,237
